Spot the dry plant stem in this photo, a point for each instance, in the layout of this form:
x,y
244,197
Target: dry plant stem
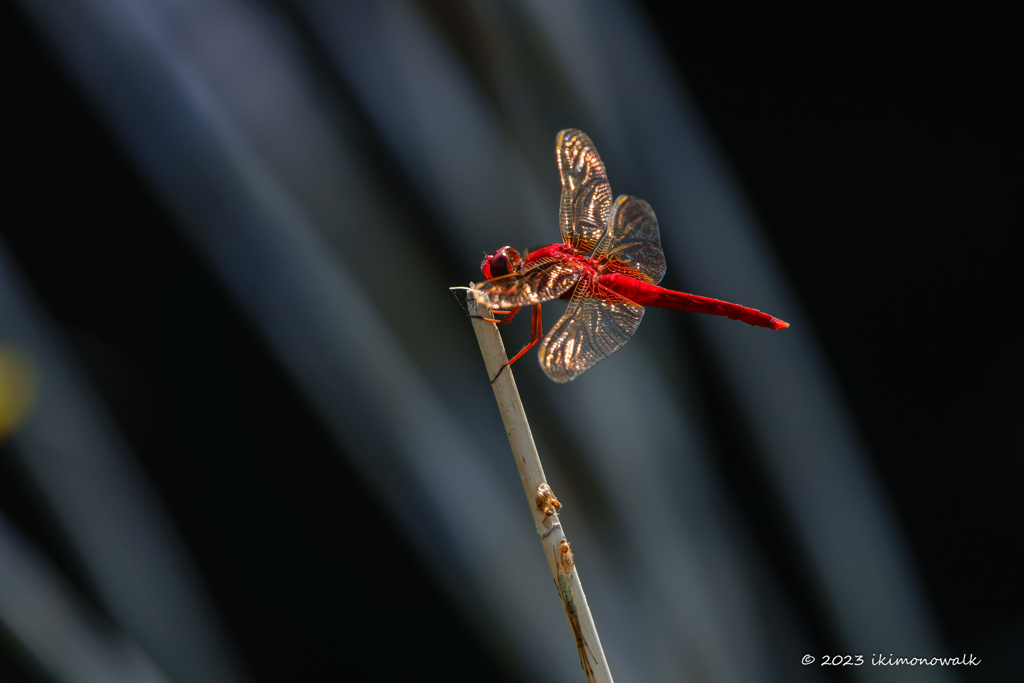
x,y
543,504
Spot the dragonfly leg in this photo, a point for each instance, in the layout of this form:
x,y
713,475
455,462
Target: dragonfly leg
x,y
536,330
511,314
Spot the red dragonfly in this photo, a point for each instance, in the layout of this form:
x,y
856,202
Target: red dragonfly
x,y
608,266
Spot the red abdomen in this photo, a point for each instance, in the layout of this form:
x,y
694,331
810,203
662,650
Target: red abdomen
x,y
647,294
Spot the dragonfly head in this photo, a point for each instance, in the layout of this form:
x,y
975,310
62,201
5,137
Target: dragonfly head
x,y
502,262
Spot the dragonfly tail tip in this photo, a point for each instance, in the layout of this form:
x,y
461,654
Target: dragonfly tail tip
x,y
777,324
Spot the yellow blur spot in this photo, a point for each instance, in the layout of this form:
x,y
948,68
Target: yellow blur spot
x,y
17,388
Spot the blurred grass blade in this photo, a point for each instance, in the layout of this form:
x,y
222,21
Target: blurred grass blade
x,y
113,520
56,628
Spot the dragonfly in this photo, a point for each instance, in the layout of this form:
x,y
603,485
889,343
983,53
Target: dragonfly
x,y
608,265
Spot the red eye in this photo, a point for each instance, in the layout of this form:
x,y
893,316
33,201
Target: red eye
x,y
499,264
502,262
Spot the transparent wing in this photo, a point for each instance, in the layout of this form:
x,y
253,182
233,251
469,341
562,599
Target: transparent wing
x,y
632,244
586,194
597,322
543,280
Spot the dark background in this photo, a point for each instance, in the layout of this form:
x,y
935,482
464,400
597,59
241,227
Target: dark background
x,y
875,145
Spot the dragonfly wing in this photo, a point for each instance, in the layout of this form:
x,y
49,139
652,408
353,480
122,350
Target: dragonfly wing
x,y
586,194
595,325
544,280
633,242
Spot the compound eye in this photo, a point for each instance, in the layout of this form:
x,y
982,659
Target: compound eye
x,y
502,262
499,264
